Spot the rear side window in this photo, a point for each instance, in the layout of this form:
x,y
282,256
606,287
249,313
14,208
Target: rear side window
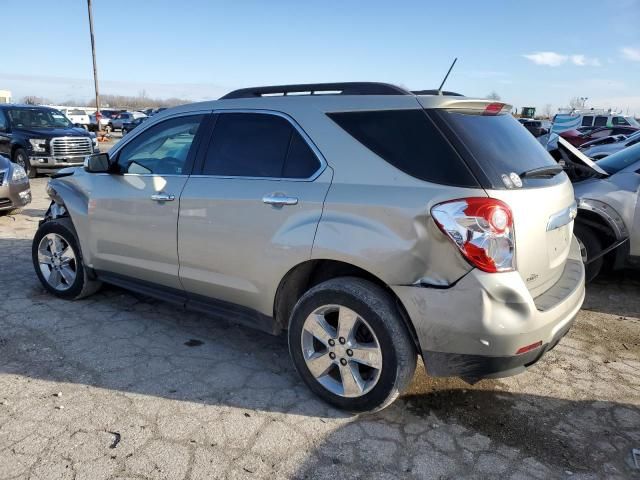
x,y
498,144
600,122
258,145
587,121
408,140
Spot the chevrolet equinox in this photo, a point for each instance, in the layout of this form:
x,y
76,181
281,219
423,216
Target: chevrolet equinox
x,y
369,223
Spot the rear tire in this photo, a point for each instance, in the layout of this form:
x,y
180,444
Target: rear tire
x,y
590,246
359,355
58,261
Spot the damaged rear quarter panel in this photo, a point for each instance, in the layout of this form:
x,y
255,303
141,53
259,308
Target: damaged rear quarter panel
x,y
387,230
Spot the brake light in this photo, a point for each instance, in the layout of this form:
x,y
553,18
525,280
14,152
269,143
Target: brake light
x,y
493,108
483,230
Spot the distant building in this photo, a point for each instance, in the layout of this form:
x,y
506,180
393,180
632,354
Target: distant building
x,y
5,96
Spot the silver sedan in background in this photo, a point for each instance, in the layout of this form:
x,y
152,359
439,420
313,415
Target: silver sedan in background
x,y
15,191
608,221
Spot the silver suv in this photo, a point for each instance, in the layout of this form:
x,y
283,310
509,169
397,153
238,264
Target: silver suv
x,y
369,223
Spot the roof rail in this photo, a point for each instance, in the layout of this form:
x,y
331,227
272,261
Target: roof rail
x,y
345,88
436,92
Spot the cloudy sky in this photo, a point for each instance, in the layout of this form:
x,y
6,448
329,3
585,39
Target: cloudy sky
x,y
531,53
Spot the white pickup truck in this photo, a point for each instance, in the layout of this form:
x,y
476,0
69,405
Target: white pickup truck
x,y
77,116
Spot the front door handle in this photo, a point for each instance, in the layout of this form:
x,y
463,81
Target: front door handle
x,y
163,197
279,200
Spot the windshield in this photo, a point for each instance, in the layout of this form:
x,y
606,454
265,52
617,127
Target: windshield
x,y
620,160
37,118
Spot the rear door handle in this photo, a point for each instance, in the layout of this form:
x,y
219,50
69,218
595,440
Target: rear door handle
x,y
279,200
163,197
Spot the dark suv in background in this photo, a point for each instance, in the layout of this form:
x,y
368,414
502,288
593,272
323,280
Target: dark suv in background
x,y
42,138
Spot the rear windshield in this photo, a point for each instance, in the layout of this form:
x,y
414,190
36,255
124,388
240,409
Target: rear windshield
x,y
498,144
620,160
411,142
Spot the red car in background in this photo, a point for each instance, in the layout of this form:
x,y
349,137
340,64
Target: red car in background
x,y
586,134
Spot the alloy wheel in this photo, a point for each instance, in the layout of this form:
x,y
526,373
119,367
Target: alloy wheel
x,y
341,351
57,261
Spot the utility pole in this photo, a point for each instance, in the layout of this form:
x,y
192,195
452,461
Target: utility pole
x,y
95,66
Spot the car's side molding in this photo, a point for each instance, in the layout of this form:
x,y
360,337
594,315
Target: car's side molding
x,y
211,306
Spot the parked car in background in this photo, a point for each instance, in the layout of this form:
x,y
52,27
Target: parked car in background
x,y
42,139
346,219
128,126
603,147
15,191
577,137
608,221
78,117
591,118
536,127
117,121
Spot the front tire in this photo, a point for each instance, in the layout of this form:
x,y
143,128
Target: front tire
x,y
349,344
58,261
590,246
21,158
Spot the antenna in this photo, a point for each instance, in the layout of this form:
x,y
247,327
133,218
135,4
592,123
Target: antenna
x,y
447,76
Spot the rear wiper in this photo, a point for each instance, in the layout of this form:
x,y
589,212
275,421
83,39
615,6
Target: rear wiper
x,y
542,172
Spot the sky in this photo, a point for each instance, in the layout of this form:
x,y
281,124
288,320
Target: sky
x,y
531,53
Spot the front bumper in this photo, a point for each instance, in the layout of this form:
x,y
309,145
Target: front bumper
x,y
474,328
14,195
43,162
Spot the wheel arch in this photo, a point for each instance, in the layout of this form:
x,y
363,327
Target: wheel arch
x,y
607,224
306,275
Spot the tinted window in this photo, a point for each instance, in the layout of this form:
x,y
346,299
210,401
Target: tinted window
x,y
600,121
258,145
162,149
3,121
408,140
301,161
587,121
620,121
498,144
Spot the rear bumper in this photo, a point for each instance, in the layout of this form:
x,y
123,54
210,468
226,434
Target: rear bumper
x,y
474,328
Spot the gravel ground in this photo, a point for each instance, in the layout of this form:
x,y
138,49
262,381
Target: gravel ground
x,y
119,386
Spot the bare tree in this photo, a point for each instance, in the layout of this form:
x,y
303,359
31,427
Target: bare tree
x,y
33,100
547,111
494,96
576,102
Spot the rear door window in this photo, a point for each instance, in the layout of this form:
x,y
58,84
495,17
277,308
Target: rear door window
x,y
411,142
258,145
587,121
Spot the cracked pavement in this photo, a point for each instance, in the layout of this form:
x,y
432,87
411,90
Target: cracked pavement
x,y
120,386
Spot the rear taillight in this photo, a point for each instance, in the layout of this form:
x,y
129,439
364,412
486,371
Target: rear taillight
x,y
493,108
482,228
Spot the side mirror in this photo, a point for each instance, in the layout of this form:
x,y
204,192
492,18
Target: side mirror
x,y
98,163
